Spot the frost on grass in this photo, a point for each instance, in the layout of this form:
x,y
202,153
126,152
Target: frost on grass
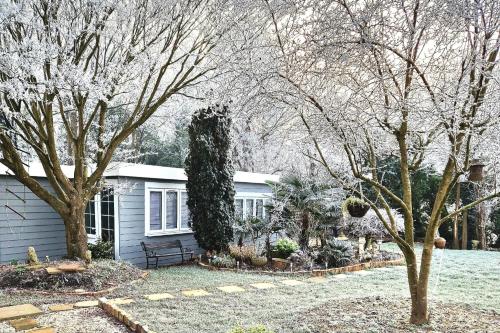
x,y
467,281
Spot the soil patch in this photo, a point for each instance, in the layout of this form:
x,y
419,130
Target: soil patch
x,y
378,314
99,275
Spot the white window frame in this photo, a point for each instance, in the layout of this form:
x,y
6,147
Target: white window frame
x,y
253,196
180,189
92,238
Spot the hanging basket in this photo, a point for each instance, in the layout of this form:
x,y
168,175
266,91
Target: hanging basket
x,y
357,208
440,243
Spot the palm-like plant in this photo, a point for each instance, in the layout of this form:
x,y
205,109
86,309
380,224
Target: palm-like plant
x,y
306,203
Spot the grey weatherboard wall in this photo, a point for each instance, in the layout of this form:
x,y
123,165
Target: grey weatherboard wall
x,y
132,224
43,228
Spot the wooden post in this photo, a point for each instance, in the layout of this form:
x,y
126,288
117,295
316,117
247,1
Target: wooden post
x,y
464,230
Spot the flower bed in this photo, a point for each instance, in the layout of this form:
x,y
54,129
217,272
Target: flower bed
x,y
99,278
314,272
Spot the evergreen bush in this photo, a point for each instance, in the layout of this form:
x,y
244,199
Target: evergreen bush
x,y
210,186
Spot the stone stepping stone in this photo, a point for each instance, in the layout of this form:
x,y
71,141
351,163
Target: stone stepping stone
x,y
53,270
317,279
61,307
231,289
362,273
292,282
71,268
158,297
19,311
195,293
120,301
263,285
384,269
340,276
23,324
42,330
86,304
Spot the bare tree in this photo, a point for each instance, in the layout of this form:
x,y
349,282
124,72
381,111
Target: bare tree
x,y
96,71
413,79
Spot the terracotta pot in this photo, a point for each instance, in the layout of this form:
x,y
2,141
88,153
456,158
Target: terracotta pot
x,y
280,264
440,243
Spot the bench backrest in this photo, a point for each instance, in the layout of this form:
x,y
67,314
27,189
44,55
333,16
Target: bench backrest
x,y
161,245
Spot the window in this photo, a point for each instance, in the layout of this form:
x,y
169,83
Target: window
x,y
90,218
238,207
107,215
100,216
250,205
166,209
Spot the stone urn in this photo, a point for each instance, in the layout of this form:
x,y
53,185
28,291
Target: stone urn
x,y
440,243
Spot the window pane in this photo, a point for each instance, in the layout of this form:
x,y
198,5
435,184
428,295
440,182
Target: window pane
x,y
171,209
107,214
90,218
259,206
238,209
249,210
155,210
185,218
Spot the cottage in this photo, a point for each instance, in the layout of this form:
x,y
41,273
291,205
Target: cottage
x,y
140,203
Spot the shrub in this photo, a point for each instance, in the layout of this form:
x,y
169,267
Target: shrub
x,y
337,253
259,261
253,329
210,173
101,250
284,248
242,253
224,261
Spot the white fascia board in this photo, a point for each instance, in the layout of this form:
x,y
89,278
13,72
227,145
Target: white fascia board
x,y
132,170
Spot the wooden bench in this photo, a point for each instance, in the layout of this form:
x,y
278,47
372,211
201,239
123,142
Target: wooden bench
x,y
157,251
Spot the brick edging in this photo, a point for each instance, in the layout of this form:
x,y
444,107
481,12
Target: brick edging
x,y
122,316
315,272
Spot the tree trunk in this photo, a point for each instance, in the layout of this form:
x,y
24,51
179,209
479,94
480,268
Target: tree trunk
x,y
456,244
464,230
419,309
76,235
419,312
304,233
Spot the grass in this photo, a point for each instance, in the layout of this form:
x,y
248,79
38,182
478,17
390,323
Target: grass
x,y
463,284
465,278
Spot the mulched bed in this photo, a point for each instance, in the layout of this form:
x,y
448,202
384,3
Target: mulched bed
x,y
246,268
380,314
101,274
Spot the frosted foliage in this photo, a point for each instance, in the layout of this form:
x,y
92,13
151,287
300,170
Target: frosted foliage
x,y
102,67
371,225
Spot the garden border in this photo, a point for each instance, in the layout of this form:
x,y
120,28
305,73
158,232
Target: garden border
x,y
314,272
122,316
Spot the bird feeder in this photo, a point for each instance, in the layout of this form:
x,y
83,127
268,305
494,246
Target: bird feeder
x,y
476,171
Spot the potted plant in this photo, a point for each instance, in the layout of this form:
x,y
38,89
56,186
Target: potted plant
x,y
356,206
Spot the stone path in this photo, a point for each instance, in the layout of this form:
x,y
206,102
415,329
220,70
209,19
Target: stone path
x,y
20,316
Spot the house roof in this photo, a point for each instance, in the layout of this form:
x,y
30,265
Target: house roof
x,y
147,171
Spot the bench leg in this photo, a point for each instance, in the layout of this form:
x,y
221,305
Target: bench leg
x,y
147,263
156,262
